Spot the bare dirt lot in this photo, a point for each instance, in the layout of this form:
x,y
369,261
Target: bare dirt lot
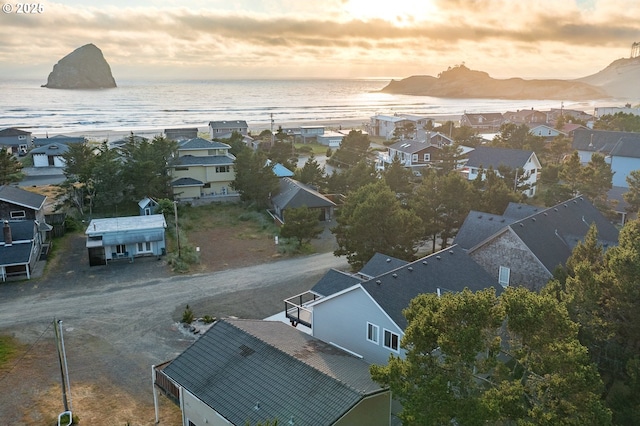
x,y
111,375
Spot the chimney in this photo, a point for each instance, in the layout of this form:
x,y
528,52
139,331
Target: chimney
x,y
7,234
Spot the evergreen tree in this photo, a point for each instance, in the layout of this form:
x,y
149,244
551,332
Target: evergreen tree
x,y
311,173
254,179
10,168
353,149
301,223
372,220
398,177
632,196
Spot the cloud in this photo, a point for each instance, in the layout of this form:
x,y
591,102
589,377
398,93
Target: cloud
x,y
502,37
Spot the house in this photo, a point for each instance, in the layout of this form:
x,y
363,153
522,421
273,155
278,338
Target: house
x,y
363,312
555,113
620,149
125,238
147,206
602,111
243,372
15,141
525,163
119,143
202,168
223,129
546,131
180,134
385,125
63,139
415,154
330,138
485,122
18,204
294,194
529,117
20,247
525,252
51,155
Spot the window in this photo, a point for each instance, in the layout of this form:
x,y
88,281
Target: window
x,y
21,137
182,168
414,157
372,333
503,276
144,247
427,157
19,214
391,340
222,169
121,249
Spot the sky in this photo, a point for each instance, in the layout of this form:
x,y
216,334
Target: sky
x,y
281,39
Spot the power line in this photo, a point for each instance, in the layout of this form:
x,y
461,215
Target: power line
x,y
25,354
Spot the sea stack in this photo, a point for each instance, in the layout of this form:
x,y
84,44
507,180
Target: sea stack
x,y
84,68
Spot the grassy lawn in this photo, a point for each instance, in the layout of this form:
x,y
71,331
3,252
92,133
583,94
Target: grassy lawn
x,y
316,148
223,215
8,348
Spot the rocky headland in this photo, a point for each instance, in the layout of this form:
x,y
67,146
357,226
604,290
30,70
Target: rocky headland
x,y
618,80
84,68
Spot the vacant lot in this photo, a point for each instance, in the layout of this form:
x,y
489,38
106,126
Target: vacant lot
x,y
110,377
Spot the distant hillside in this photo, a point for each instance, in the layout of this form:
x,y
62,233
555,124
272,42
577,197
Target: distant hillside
x,y
620,79
461,82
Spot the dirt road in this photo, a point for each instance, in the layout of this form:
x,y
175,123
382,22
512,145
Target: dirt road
x,y
118,322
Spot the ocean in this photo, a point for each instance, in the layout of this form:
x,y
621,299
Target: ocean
x,y
143,106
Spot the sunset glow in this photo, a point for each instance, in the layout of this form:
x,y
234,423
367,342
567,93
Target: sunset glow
x,y
324,38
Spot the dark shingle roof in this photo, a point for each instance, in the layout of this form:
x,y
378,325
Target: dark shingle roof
x,y
380,264
59,139
601,141
227,124
520,211
20,230
21,197
200,143
478,226
447,270
240,365
487,118
205,160
334,281
51,149
627,146
294,194
17,253
12,131
552,234
484,156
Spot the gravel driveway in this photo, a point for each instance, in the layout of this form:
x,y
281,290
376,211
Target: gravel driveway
x,y
122,318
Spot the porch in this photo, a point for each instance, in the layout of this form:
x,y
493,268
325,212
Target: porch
x,y
297,311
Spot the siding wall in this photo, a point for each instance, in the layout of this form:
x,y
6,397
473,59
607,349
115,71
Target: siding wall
x,y
508,250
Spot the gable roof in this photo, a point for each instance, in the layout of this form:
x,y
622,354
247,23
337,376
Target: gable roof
x,y
59,139
487,118
55,148
224,124
281,171
601,141
411,146
451,269
22,235
21,230
381,263
200,143
294,194
520,211
627,146
552,233
252,371
484,156
202,160
20,197
12,131
333,282
478,226
146,201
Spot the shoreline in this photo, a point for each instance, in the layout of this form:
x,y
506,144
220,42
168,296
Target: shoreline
x,y
111,135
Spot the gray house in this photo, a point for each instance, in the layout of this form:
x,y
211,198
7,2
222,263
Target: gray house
x,y
125,238
20,246
15,141
67,140
363,312
250,371
50,155
224,128
526,251
17,204
620,149
294,194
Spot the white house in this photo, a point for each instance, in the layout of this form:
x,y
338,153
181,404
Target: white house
x,y
546,131
524,162
127,237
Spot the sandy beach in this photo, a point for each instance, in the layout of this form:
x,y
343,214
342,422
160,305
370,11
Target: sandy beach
x,y
111,135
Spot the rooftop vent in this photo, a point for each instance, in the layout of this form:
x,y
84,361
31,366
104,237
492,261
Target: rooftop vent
x,y
395,275
378,282
410,269
388,260
438,257
245,350
545,213
424,262
450,251
521,225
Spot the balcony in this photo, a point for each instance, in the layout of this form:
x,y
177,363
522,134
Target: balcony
x,y
297,309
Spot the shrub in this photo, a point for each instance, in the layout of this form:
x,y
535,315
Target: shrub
x,y
187,315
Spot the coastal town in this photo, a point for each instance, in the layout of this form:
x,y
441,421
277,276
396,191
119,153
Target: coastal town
x,y
476,244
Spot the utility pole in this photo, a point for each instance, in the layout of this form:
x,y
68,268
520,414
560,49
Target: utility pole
x,y
62,359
